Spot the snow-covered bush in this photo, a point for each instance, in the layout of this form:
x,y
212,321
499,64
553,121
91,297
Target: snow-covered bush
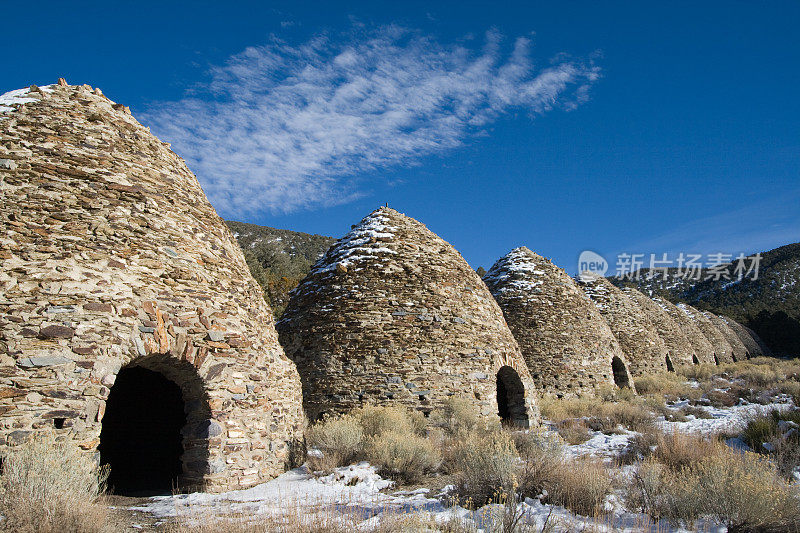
x,y
51,487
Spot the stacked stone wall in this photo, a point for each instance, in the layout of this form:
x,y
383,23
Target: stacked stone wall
x,y
112,257
566,344
393,315
723,352
637,336
681,351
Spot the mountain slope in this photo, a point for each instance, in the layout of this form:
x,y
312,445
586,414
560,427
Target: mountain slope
x,y
278,258
769,304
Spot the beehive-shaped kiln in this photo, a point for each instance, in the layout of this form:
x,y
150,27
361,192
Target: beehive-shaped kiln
x,y
129,321
393,315
567,345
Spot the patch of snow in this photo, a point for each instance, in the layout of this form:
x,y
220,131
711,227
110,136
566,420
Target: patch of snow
x,y
360,244
516,271
18,97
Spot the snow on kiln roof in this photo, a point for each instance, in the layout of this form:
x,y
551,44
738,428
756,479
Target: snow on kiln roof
x,y
514,271
686,310
363,242
596,290
18,97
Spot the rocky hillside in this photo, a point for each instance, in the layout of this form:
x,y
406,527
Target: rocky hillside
x,y
278,258
769,304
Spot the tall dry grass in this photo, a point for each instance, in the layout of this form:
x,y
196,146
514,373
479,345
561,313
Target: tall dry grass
x,y
485,466
47,486
687,478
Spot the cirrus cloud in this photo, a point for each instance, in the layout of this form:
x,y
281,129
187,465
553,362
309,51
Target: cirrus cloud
x,y
282,127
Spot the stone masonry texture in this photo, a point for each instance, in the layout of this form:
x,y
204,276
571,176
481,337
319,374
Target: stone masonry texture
x,y
393,315
723,352
680,349
566,343
112,257
701,346
749,339
637,336
739,351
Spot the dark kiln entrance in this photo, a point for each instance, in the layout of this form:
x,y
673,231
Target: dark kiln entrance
x,y
511,397
141,437
620,373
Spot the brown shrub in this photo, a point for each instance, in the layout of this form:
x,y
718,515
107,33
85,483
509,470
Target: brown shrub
x,y
580,484
639,447
740,491
457,417
338,441
722,398
574,431
664,383
51,487
680,450
399,455
377,420
485,466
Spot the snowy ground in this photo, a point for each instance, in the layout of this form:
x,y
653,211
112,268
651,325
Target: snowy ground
x,y
360,496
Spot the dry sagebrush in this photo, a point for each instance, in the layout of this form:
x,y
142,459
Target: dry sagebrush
x,y
51,487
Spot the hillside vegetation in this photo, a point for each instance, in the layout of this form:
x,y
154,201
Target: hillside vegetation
x,y
770,304
278,258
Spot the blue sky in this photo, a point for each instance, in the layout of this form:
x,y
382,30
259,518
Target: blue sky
x,y
560,126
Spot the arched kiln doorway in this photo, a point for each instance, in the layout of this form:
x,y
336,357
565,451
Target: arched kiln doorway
x,y
511,398
621,378
152,435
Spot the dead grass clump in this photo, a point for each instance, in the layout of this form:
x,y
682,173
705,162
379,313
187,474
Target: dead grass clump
x,y
580,484
664,383
634,416
485,466
740,491
377,420
759,375
337,441
402,456
558,409
697,412
701,372
457,417
51,487
574,431
680,450
777,435
722,398
791,388
639,447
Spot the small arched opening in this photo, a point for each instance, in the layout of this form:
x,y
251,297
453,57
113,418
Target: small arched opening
x,y
155,430
511,398
695,360
670,368
621,379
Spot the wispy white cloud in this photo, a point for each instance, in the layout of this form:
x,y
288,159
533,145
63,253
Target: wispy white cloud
x,y
281,127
